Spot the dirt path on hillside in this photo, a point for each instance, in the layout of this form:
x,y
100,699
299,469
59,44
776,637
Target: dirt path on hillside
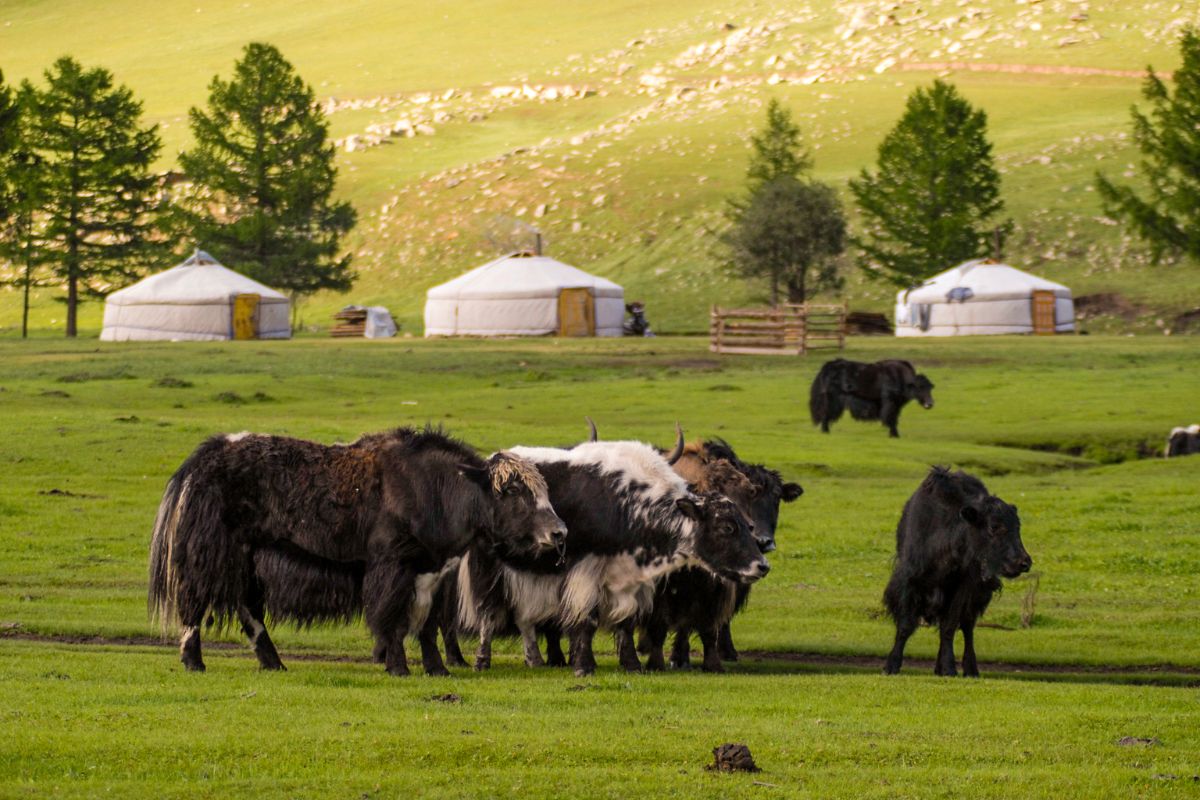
x,y
782,661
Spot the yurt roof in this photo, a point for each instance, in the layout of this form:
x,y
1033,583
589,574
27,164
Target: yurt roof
x,y
519,275
199,280
986,279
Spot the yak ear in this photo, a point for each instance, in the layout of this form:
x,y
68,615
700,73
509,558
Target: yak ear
x,y
477,475
971,516
792,491
690,507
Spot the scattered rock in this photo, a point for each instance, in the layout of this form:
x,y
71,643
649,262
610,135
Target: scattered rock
x,y
731,757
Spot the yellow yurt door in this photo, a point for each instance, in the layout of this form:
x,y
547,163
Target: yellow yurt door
x,y
576,313
245,316
1043,313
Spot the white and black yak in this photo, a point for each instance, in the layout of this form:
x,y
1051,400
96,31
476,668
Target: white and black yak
x,y
632,521
869,391
1183,442
954,542
254,524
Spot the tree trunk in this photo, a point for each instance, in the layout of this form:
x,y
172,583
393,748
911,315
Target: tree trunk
x,y
774,289
72,305
25,303
797,291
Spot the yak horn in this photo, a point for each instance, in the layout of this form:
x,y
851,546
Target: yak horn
x,y
677,453
592,436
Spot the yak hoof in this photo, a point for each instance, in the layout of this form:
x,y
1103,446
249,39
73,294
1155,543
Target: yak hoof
x,y
437,672
276,667
194,666
712,668
480,666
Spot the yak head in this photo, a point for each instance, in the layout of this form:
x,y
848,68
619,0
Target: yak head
x,y
765,491
919,388
996,530
524,518
722,540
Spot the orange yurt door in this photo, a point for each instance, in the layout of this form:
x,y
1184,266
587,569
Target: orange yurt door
x,y
576,313
245,316
1043,313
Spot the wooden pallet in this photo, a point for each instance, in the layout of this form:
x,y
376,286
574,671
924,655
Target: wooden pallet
x,y
791,329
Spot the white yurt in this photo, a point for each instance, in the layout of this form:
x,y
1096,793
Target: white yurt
x,y
525,294
198,299
982,297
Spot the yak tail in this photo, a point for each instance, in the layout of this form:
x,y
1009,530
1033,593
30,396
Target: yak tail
x,y
195,566
163,587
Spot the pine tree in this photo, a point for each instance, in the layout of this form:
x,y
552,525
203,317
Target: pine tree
x,y
264,169
98,220
20,197
1168,216
777,151
935,199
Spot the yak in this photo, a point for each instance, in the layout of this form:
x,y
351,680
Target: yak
x,y
870,391
633,520
252,524
954,542
694,599
1183,442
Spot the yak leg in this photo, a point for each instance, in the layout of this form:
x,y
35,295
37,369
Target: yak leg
x,y
189,648
904,630
654,636
725,644
969,666
431,657
554,653
681,651
712,660
583,659
379,652
454,653
945,656
889,412
389,591
644,646
251,617
533,656
446,604
626,652
483,655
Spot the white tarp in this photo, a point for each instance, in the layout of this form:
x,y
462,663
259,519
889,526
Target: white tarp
x,y
977,298
193,300
380,324
517,295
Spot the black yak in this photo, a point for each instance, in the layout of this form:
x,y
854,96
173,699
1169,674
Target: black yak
x,y
253,524
693,599
870,391
954,542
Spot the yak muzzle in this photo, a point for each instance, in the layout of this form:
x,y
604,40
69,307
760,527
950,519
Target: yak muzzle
x,y
927,404
754,572
765,545
1019,567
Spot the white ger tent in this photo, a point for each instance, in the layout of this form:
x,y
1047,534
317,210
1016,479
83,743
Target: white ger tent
x,y
198,299
983,297
524,294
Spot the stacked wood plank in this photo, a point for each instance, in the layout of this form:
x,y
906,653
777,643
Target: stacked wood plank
x,y
351,321
790,329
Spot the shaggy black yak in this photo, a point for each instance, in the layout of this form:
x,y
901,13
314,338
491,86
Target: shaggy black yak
x,y
253,524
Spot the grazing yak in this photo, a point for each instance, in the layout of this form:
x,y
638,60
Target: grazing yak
x,y
954,542
253,524
870,391
1183,442
633,520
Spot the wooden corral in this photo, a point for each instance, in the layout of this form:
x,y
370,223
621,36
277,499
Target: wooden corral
x,y
789,329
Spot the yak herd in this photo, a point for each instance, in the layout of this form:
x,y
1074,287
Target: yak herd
x,y
415,532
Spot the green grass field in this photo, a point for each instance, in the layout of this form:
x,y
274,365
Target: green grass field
x,y
1061,427
662,139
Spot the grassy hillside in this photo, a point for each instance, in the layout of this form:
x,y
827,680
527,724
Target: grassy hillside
x,y
625,125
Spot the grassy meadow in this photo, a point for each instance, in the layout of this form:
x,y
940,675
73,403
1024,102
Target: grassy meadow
x,y
1068,429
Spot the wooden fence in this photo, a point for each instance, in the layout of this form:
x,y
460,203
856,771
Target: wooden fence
x,y
790,329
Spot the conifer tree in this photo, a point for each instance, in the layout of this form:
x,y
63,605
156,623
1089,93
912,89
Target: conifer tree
x,y
264,169
776,150
98,215
935,198
1167,216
